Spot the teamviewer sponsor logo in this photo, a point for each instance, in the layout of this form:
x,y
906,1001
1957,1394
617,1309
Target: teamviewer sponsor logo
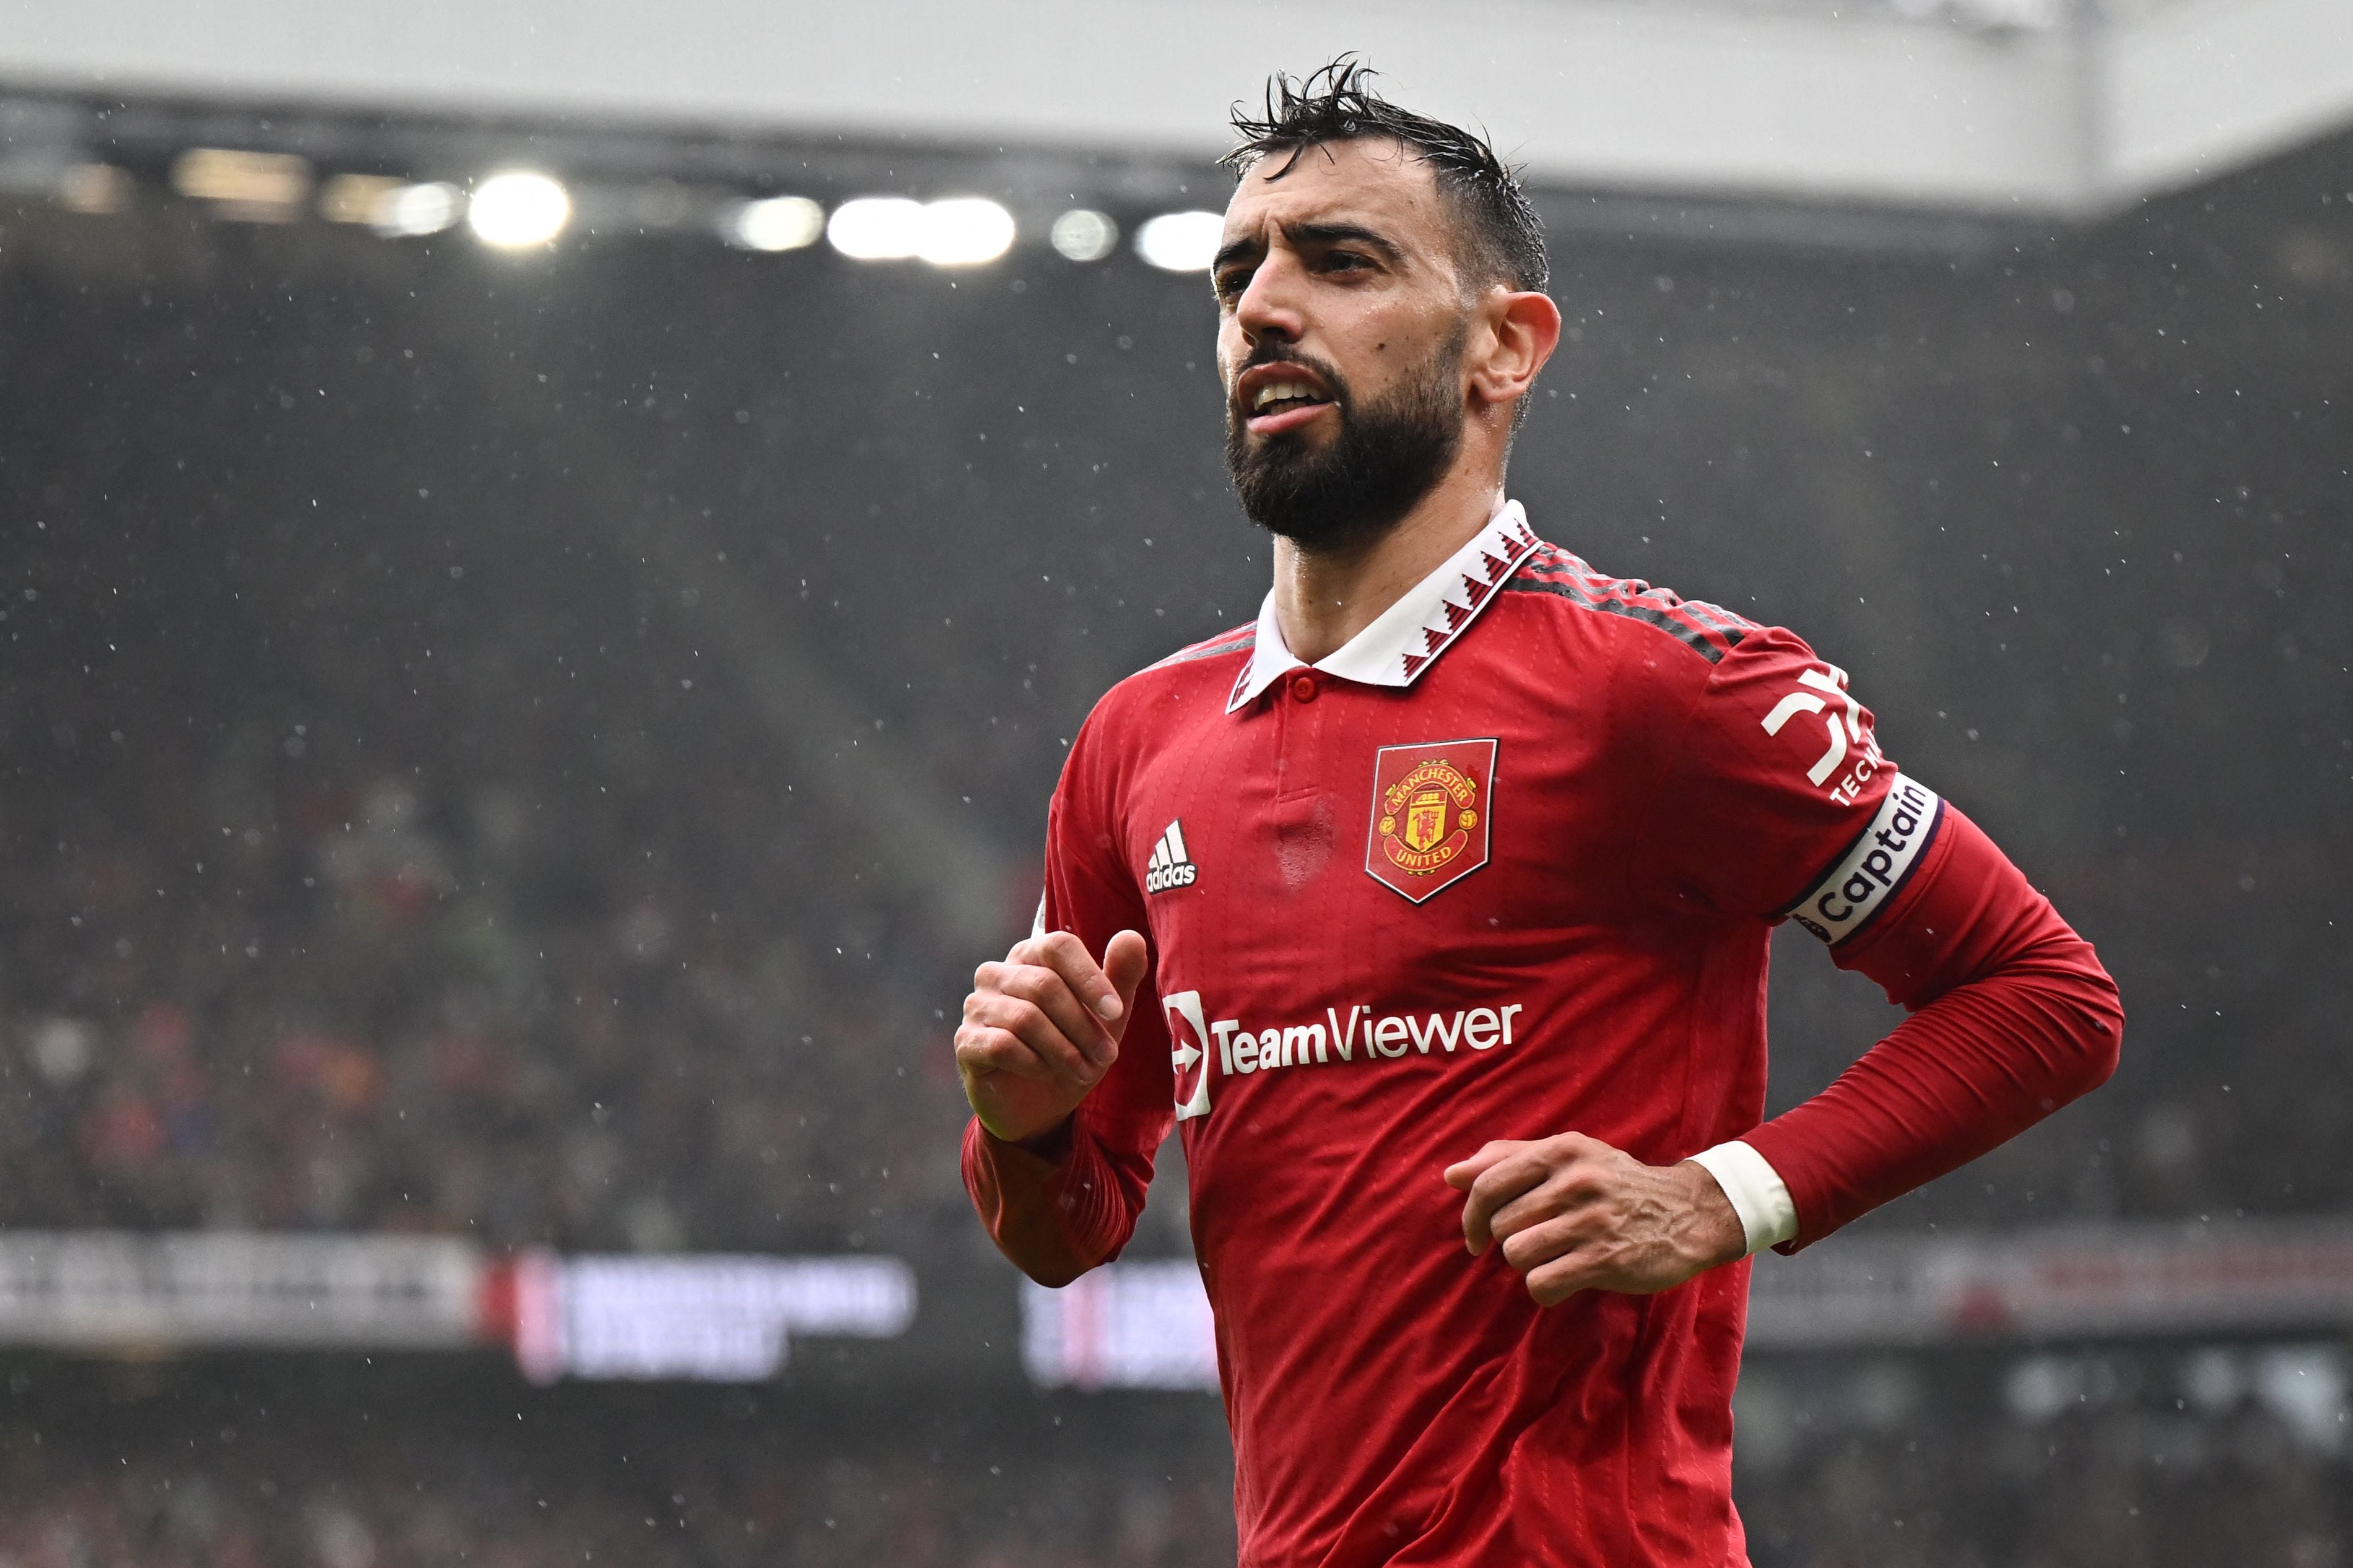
x,y
1360,1034
1189,1053
1876,865
1170,866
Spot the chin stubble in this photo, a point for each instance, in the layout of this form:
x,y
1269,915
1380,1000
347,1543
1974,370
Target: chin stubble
x,y
1388,456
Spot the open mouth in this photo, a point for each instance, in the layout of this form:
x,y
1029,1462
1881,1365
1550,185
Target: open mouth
x,y
1281,397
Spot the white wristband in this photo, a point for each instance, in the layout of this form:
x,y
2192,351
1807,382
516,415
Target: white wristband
x,y
1755,1189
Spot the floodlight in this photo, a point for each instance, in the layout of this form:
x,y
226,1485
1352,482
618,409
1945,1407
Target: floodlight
x,y
426,208
960,231
964,231
261,187
1081,234
1181,242
97,189
779,223
877,228
358,198
518,209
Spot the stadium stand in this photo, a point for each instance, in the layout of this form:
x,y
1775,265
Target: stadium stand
x,y
397,836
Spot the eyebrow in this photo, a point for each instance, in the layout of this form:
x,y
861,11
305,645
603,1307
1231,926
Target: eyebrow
x,y
1312,234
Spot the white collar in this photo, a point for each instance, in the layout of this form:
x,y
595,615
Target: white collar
x,y
1406,638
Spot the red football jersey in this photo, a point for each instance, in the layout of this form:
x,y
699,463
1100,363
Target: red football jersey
x,y
1503,867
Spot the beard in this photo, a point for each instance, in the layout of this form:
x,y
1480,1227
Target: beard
x,y
1388,455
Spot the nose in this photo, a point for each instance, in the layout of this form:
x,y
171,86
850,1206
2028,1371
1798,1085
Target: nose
x,y
1270,305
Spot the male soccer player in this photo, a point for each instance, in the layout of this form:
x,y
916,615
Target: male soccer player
x,y
1433,909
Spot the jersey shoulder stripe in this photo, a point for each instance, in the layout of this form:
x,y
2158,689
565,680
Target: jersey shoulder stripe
x,y
1708,630
1241,639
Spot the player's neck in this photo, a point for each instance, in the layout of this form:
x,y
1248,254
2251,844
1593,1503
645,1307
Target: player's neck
x,y
1323,598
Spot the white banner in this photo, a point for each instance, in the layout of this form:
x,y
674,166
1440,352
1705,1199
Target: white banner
x,y
712,1318
2058,1282
1128,1325
722,1318
111,1291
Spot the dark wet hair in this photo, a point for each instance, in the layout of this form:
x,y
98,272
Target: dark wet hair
x,y
1502,239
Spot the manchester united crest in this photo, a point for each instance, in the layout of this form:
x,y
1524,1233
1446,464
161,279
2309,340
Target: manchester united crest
x,y
1430,813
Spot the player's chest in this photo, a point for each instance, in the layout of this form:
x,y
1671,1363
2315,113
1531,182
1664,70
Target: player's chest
x,y
1339,821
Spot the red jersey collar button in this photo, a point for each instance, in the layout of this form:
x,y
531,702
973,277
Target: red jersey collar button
x,y
1303,687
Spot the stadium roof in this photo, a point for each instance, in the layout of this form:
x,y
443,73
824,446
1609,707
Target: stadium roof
x,y
2060,108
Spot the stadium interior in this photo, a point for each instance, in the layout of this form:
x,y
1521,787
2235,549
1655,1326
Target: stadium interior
x,y
516,741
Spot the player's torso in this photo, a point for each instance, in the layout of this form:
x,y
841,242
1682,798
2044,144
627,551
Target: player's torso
x,y
1401,911
1389,925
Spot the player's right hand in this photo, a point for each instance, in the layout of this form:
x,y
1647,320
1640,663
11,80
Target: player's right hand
x,y
1041,1029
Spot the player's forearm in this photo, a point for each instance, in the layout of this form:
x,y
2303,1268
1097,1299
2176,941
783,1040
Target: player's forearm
x,y
1054,1217
2013,1018
1968,1072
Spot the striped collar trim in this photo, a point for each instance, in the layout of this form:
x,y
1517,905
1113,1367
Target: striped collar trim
x,y
1406,638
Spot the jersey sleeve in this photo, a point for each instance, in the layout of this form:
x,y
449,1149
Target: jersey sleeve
x,y
1061,1205
1778,803
2011,1016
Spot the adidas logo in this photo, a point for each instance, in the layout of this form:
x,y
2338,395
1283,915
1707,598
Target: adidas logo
x,y
1170,866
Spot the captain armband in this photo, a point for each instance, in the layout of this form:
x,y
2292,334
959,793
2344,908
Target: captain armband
x,y
1866,878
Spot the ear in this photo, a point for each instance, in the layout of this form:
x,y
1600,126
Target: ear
x,y
1517,332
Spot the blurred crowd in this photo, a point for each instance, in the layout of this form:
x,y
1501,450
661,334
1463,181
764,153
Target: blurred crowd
x,y
264,976
640,1480
277,1510
394,834
392,838
2152,1459
2122,1479
566,964
2092,1491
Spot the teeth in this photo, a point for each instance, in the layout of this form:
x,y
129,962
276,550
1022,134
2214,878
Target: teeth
x,y
1275,391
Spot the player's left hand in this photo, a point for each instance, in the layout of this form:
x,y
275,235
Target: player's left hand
x,y
1574,1213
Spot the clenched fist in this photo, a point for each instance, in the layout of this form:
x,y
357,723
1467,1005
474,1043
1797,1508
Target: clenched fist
x,y
1041,1028
1573,1214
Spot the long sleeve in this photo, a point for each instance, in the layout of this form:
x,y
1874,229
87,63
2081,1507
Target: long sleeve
x,y
1058,1213
2013,1016
1778,801
1070,1201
